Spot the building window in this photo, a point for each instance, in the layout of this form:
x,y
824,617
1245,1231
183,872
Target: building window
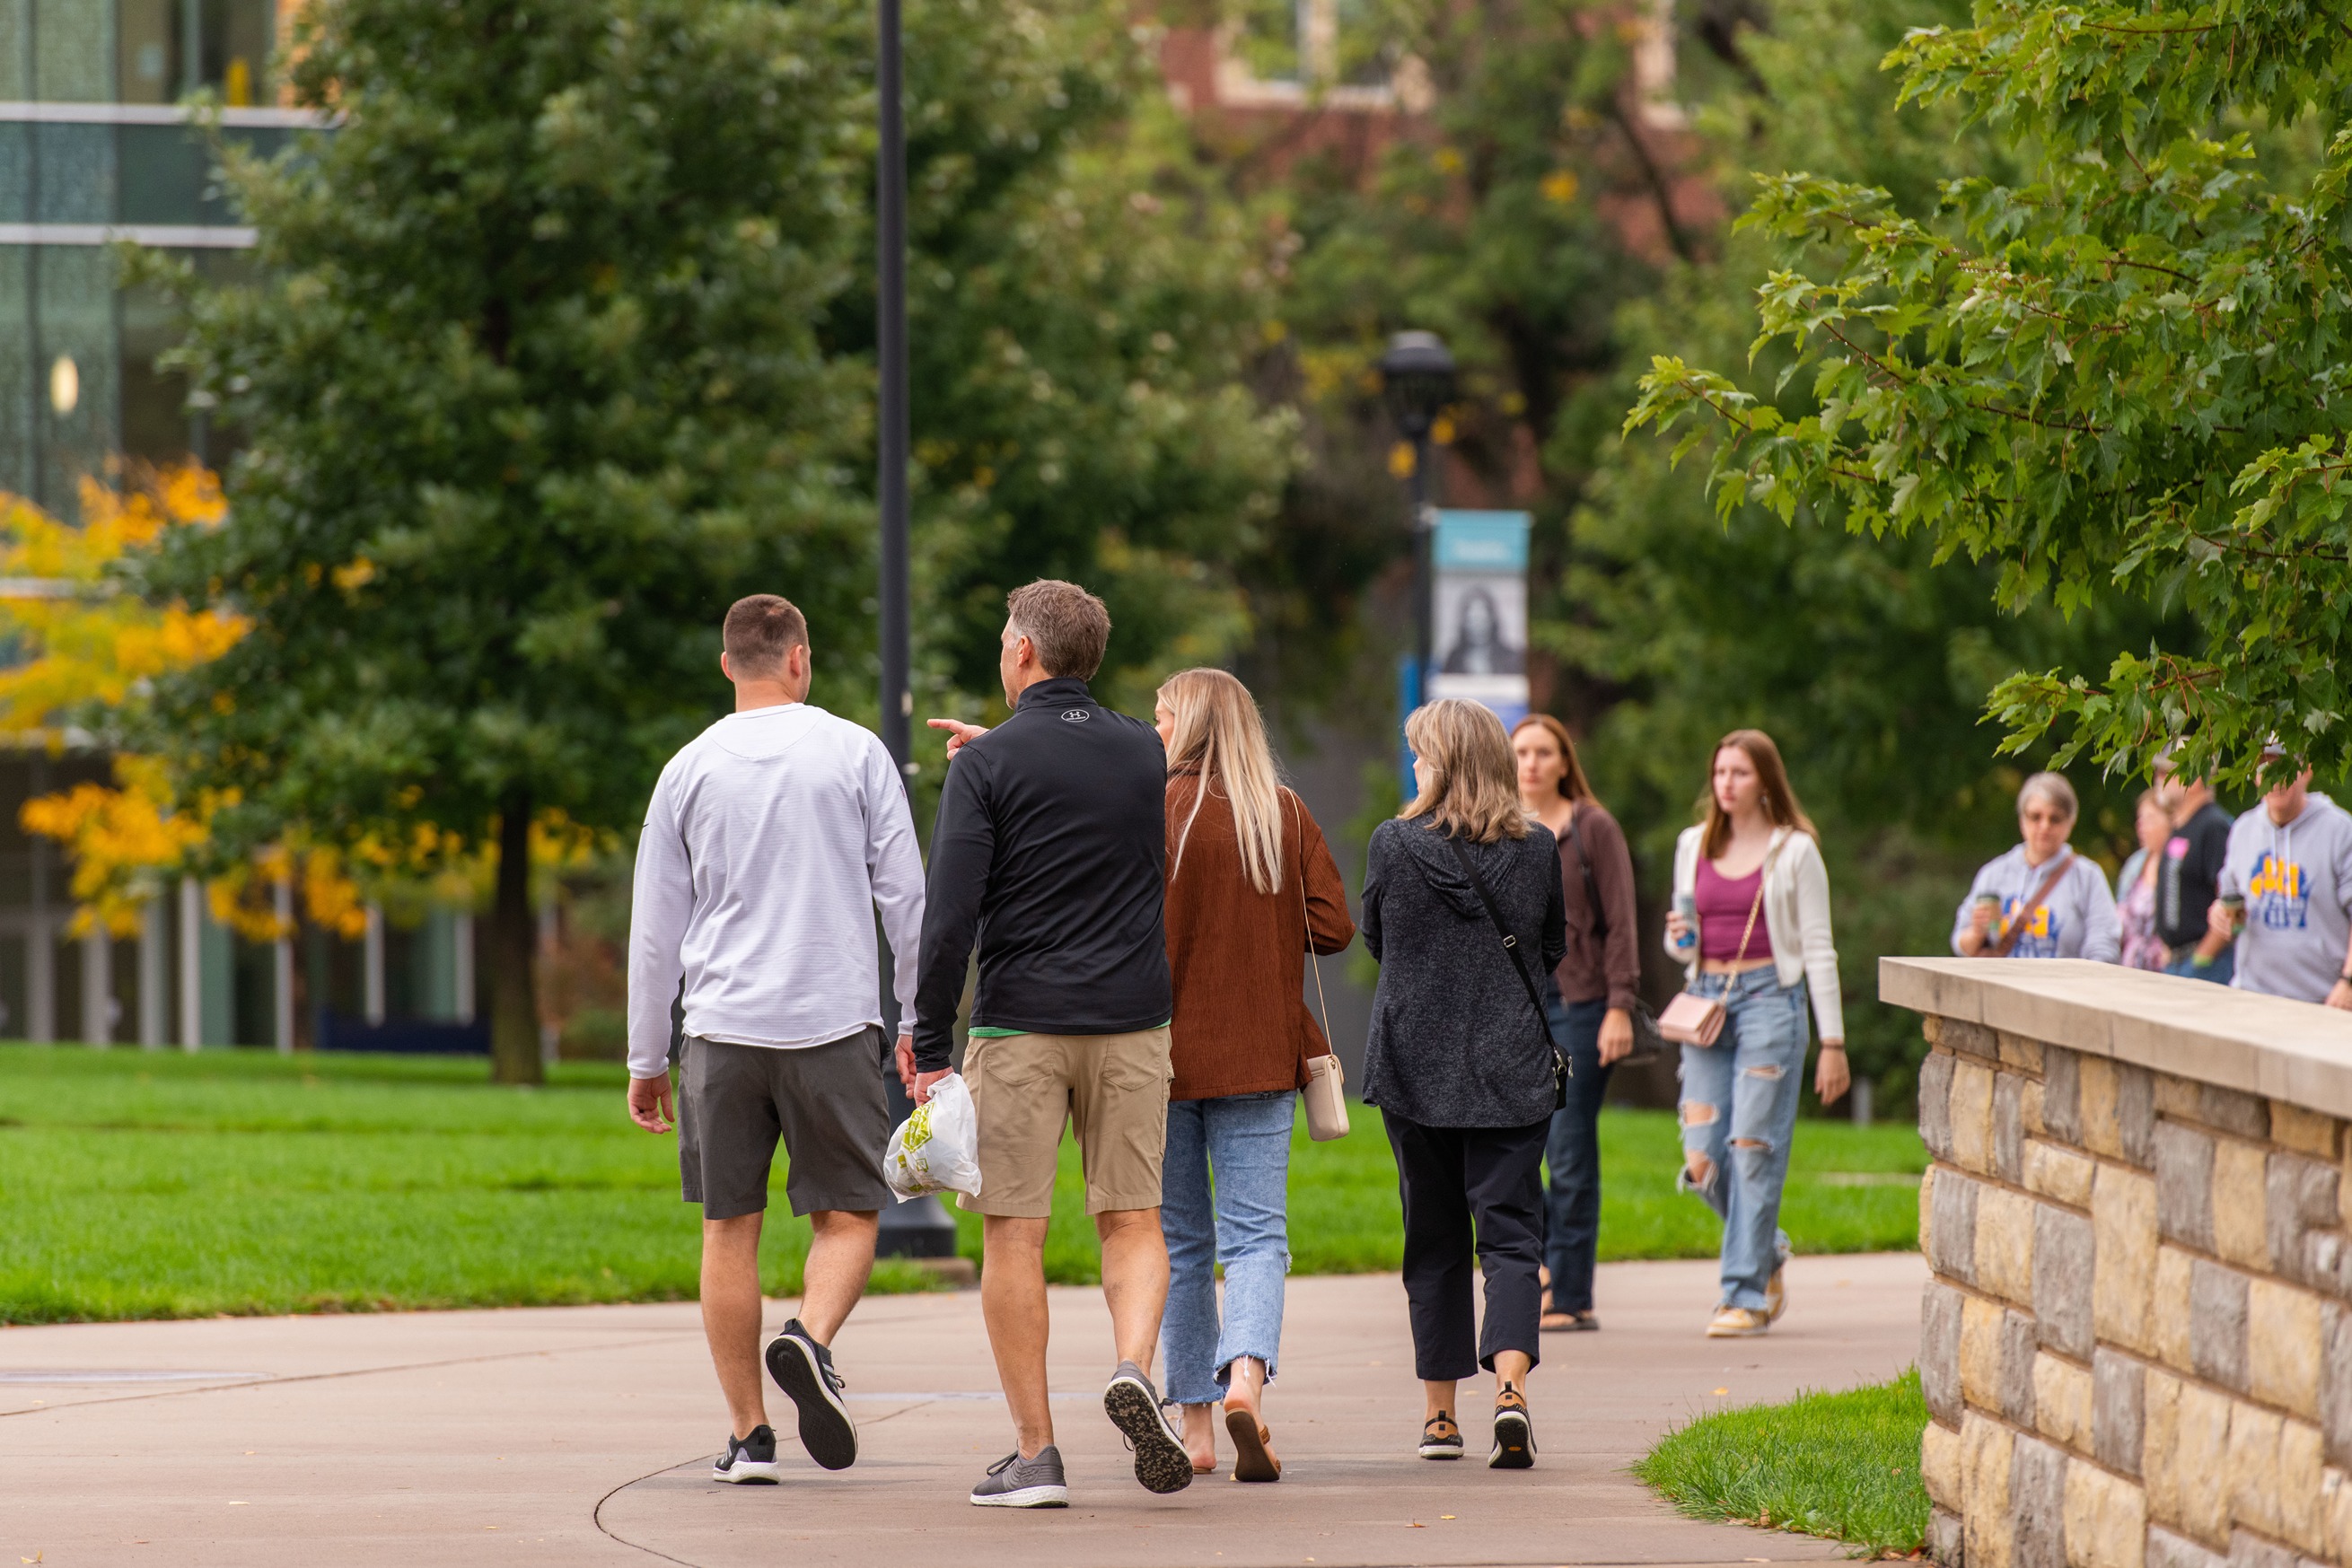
x,y
136,51
1268,37
1653,68
1286,53
167,48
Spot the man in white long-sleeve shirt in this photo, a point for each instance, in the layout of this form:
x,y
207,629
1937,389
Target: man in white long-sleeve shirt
x,y
770,840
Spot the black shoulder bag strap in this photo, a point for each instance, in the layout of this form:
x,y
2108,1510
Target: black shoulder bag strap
x,y
1561,1070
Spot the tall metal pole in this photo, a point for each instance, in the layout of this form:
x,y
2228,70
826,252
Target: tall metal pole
x,y
1425,544
890,351
919,1227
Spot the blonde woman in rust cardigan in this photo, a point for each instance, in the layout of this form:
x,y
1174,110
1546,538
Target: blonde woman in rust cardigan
x,y
1251,886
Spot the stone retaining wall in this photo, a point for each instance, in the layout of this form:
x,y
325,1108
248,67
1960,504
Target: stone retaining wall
x,y
2136,1350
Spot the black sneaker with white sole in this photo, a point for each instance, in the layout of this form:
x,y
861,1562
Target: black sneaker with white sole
x,y
748,1461
1440,1438
1515,1435
1161,1463
1015,1483
804,1369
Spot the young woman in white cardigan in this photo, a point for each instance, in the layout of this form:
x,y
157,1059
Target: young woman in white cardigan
x,y
1751,925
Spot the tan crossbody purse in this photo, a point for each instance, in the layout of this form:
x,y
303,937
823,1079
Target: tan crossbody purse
x,y
1694,1020
1326,1080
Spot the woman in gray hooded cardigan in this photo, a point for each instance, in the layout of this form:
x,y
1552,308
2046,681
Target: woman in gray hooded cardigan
x,y
1461,1062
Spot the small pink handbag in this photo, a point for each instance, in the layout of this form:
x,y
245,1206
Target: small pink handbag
x,y
1694,1020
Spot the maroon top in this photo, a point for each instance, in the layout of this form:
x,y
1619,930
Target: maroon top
x,y
1723,910
1596,966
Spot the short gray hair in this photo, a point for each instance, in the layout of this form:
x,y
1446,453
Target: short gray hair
x,y
1066,626
2052,787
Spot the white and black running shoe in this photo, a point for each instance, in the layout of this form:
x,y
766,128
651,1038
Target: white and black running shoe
x,y
1440,1438
804,1369
750,1461
1161,1463
1015,1483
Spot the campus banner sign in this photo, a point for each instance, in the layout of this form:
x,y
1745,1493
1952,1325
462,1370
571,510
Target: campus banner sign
x,y
1478,594
1479,603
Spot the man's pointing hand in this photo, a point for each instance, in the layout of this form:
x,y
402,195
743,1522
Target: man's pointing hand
x,y
958,733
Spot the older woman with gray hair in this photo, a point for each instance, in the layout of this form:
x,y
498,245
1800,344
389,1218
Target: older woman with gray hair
x,y
2041,900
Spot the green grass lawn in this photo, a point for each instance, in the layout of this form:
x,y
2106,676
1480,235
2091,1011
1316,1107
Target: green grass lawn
x,y
1845,1465
157,1184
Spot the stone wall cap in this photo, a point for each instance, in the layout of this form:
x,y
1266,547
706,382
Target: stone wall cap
x,y
2284,1050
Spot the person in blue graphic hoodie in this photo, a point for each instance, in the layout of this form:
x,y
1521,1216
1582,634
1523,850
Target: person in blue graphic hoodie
x,y
2001,918
2289,862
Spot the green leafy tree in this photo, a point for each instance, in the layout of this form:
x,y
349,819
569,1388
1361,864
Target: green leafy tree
x,y
561,340
1086,305
2125,369
1867,659
1488,221
531,389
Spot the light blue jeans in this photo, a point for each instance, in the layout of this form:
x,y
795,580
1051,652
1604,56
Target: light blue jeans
x,y
1244,1227
1738,1110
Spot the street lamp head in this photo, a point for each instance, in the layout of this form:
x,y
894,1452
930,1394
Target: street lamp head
x,y
1416,380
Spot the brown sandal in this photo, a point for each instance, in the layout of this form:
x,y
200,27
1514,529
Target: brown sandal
x,y
1252,1460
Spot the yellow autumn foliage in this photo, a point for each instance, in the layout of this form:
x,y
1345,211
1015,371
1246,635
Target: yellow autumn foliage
x,y
87,641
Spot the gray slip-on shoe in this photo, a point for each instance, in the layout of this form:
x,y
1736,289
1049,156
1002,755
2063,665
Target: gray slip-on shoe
x,y
1015,1483
1161,1463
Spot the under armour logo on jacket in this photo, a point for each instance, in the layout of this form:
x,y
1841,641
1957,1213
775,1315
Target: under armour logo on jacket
x,y
1074,716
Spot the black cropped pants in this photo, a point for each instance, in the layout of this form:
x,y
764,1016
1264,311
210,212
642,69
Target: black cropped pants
x,y
1466,1190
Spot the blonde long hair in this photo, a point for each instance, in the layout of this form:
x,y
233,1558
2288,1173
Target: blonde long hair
x,y
1219,734
1474,785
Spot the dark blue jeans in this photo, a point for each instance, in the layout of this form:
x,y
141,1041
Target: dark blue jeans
x,y
1572,1155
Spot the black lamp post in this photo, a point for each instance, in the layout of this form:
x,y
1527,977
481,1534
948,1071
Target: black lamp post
x,y
1417,383
919,1227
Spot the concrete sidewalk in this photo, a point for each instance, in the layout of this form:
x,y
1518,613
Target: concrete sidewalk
x,y
584,1435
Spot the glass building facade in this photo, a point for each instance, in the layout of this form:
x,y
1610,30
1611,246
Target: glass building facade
x,y
95,150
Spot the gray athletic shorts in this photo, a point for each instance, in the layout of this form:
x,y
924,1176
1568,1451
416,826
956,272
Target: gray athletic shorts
x,y
826,1102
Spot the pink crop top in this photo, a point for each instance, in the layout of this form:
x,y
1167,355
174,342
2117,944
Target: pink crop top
x,y
1723,906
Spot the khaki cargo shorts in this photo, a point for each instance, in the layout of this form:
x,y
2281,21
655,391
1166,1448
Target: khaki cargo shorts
x,y
1112,1087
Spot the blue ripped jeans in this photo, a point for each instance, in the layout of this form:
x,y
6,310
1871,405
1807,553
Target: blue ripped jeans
x,y
1738,1110
1246,1140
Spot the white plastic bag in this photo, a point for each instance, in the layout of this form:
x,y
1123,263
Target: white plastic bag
x,y
936,1149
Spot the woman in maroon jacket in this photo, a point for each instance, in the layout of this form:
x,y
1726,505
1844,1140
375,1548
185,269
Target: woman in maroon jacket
x,y
1592,998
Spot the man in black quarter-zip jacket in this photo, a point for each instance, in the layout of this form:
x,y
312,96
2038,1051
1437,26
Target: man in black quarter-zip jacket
x,y
1049,850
